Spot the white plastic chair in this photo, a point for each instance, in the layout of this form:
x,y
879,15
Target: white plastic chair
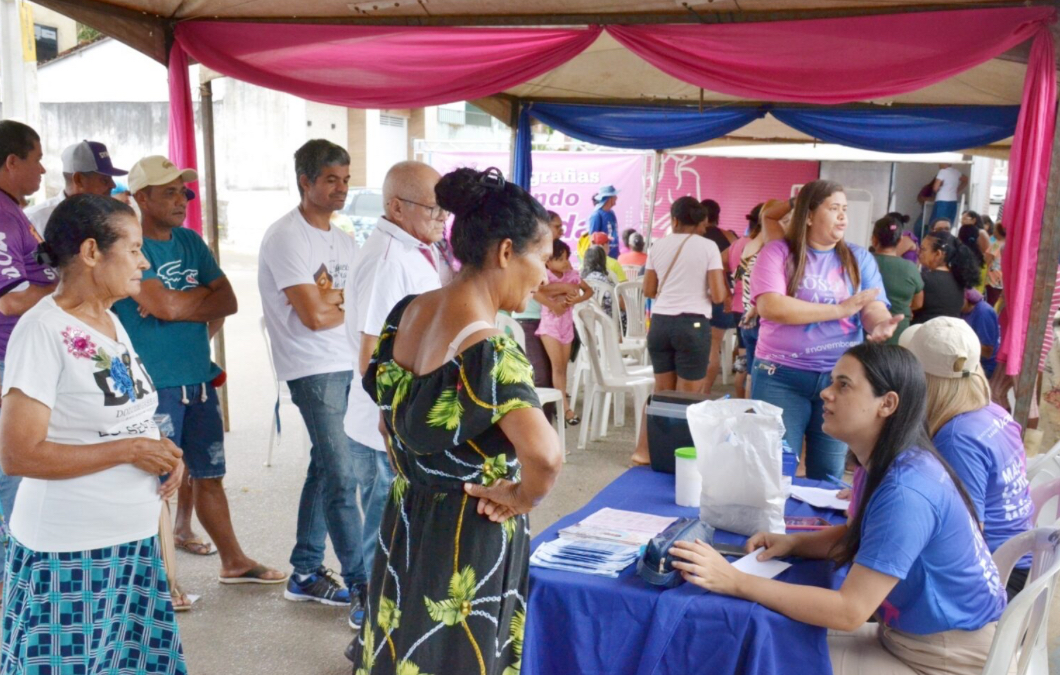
x,y
1044,467
632,294
1043,495
632,272
609,374
283,397
544,394
1021,633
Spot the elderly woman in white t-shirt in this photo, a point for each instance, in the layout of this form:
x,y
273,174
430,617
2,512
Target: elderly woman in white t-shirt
x,y
684,277
84,583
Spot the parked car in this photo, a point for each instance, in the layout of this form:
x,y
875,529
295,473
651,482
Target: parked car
x,y
363,209
998,188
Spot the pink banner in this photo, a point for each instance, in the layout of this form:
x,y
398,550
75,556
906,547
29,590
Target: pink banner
x,y
565,182
736,184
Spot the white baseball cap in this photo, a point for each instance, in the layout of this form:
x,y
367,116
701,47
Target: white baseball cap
x,y
157,170
945,346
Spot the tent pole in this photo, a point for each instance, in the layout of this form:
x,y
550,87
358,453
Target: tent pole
x,y
513,122
656,168
212,226
1039,319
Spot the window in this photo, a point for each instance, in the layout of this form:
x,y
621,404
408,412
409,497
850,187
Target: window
x,y
47,39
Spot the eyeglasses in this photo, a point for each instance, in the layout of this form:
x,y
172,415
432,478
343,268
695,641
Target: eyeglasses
x,y
435,212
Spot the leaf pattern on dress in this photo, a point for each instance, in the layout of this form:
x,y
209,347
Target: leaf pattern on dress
x,y
508,406
494,468
512,366
457,606
409,668
446,411
517,630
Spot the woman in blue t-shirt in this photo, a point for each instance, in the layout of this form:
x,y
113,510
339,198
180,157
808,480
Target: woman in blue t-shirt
x,y
919,561
979,439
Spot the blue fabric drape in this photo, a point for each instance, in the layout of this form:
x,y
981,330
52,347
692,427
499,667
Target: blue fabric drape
x,y
522,168
934,129
643,127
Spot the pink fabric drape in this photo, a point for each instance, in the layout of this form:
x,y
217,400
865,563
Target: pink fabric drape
x,y
182,130
1028,176
381,67
832,61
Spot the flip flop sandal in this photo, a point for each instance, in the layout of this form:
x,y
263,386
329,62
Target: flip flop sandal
x,y
195,546
636,462
255,575
572,421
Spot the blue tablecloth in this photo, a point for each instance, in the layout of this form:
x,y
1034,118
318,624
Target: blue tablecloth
x,y
578,623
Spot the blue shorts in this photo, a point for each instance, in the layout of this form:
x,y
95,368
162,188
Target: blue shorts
x,y
721,319
195,426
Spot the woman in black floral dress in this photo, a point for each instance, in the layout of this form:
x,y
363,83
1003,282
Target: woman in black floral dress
x,y
472,450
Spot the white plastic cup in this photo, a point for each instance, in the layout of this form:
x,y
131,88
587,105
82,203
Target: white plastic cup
x,y
689,483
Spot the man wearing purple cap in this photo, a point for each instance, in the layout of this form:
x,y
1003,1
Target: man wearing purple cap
x,y
23,280
87,169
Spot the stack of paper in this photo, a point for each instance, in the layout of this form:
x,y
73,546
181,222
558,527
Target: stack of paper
x,y
618,527
585,556
819,497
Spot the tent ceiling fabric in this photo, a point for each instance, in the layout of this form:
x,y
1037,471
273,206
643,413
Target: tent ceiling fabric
x,y
422,9
608,71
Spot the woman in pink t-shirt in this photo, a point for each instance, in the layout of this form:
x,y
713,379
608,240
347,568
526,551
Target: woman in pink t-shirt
x,y
816,296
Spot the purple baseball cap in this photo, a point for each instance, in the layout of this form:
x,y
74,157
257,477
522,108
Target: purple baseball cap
x,y
89,157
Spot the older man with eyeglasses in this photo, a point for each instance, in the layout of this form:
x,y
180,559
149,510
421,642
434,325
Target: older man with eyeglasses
x,y
398,259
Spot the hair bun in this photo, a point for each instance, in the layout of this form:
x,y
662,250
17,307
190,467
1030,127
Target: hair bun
x,y
462,191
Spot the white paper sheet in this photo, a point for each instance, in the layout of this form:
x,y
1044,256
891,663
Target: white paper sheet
x,y
749,564
608,518
819,497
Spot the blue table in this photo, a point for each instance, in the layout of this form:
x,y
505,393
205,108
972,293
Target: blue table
x,y
578,623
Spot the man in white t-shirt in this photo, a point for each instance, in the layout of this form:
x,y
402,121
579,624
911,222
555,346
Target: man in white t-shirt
x,y
302,272
87,169
949,182
399,259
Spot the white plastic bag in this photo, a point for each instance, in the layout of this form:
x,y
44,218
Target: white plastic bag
x,y
738,450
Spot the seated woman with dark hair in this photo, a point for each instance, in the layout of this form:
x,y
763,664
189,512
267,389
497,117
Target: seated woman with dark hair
x,y
472,450
84,585
919,562
949,269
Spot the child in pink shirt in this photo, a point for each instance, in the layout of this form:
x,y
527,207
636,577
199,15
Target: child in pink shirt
x,y
557,330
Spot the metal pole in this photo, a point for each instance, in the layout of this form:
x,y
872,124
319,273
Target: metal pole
x,y
1039,319
655,171
213,229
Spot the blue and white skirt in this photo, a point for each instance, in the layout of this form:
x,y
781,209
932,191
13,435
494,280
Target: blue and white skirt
x,y
105,611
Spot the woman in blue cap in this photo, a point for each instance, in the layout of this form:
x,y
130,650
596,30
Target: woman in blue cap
x,y
603,218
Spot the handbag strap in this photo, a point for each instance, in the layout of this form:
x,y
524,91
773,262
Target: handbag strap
x,y
658,291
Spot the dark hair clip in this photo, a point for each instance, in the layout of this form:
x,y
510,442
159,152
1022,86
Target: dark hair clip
x,y
45,255
492,178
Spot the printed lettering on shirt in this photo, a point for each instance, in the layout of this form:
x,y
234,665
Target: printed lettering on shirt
x,y
984,561
175,277
6,259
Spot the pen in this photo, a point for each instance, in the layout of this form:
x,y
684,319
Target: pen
x,y
842,484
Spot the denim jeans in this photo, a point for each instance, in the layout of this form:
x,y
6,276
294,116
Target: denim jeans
x,y
750,343
798,394
328,506
372,469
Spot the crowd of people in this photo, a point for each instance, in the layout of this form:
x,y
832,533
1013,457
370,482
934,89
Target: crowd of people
x,y
428,442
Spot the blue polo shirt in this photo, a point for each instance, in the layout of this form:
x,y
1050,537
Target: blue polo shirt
x,y
175,353
917,529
